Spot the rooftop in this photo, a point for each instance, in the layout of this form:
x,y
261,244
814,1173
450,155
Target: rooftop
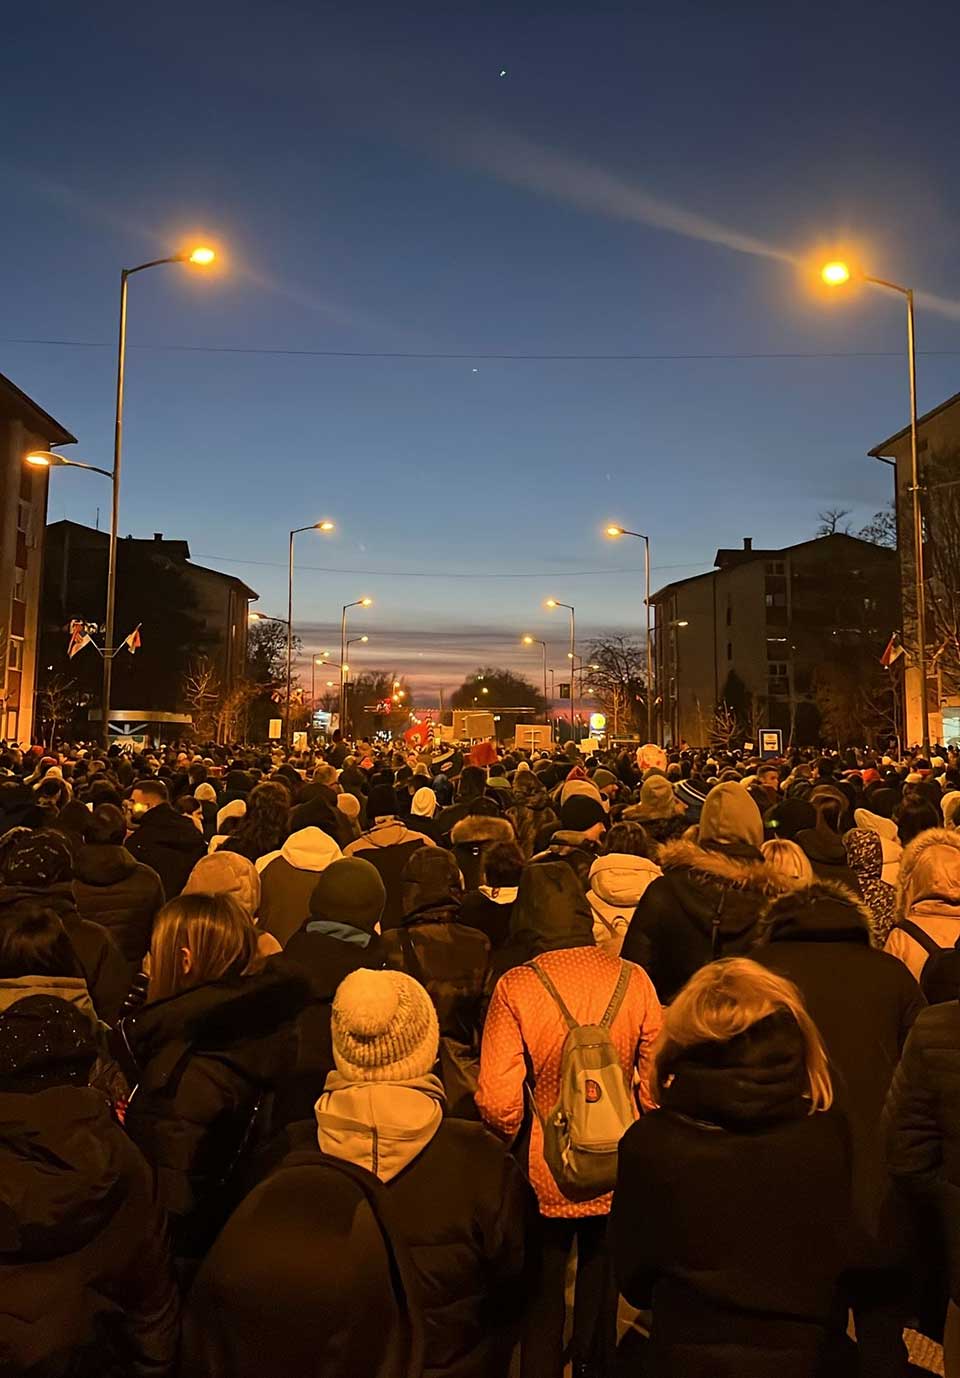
x,y
14,402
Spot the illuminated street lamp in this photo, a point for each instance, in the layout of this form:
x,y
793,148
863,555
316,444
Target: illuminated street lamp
x,y
837,274
357,603
535,641
324,526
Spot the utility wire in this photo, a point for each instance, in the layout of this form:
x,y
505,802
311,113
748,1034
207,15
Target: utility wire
x,y
443,574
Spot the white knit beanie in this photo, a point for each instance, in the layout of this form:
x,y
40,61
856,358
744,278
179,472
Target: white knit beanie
x,y
384,1027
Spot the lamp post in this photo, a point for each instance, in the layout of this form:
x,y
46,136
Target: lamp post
x,y
313,526
838,274
614,532
357,603
202,257
553,603
535,641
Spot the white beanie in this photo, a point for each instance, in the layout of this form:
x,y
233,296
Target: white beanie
x,y
424,803
205,793
384,1027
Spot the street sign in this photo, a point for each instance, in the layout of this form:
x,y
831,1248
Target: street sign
x,y
771,742
564,691
276,729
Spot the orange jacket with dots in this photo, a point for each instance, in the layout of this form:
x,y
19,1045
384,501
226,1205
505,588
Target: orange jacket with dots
x,y
523,1014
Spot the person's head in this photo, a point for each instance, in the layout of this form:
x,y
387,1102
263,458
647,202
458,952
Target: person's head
x,y
144,796
190,808
34,942
325,774
350,892
628,839
473,782
384,1028
45,1042
35,860
107,827
551,910
502,865
658,800
768,777
226,873
788,859
382,803
584,814
826,768
424,803
929,870
730,820
913,817
205,791
268,806
725,1001
431,877
196,939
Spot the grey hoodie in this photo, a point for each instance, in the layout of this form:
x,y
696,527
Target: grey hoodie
x,y
381,1126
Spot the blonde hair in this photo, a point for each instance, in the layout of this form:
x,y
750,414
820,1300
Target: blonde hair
x,y
789,859
725,999
218,934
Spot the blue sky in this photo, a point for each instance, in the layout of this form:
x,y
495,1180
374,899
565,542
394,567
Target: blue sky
x,y
645,181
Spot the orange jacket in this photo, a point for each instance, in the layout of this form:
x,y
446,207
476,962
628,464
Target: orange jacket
x,y
523,1015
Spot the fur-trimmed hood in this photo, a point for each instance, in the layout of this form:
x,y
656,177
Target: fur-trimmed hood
x,y
929,870
717,892
477,829
734,872
822,912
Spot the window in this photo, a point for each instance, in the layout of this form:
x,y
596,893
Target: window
x,y
15,654
773,567
20,584
24,513
776,647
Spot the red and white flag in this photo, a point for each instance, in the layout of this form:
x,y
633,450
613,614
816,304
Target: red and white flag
x,y
78,638
132,642
893,652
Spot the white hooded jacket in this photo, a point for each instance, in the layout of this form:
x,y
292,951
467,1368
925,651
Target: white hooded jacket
x,y
380,1126
617,882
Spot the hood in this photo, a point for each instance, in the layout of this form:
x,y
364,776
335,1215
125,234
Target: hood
x,y
431,879
72,989
730,819
476,829
709,884
823,912
755,1079
105,864
57,897
310,849
528,790
551,910
379,1126
620,879
929,869
165,825
875,823
823,846
62,1172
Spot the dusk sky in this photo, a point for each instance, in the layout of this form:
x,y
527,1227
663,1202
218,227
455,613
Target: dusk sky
x,y
414,204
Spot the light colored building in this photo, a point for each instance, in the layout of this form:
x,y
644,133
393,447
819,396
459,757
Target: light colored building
x,y
938,461
24,426
752,631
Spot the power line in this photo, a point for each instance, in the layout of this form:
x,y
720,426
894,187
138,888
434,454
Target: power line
x,y
440,574
439,356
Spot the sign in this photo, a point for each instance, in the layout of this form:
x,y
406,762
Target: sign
x,y
771,742
299,741
598,724
276,729
564,691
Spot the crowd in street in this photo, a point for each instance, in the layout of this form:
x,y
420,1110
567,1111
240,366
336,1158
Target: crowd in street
x,y
380,1061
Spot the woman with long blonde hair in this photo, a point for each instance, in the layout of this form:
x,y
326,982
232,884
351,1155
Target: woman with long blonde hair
x,y
733,1198
215,1037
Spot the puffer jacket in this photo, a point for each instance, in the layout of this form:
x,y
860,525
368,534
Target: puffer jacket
x,y
209,1059
114,889
928,894
86,1288
288,878
706,904
617,882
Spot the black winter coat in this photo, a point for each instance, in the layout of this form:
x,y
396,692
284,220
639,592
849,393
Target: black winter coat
x,y
306,1278
450,960
170,843
122,894
730,1213
864,1003
86,1289
922,1123
209,1060
706,904
107,974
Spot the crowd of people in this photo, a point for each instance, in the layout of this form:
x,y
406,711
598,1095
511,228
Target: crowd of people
x,y
374,1061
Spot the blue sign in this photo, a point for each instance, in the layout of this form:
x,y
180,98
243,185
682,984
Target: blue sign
x,y
771,743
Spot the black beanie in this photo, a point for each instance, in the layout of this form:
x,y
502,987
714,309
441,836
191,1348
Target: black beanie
x,y
349,891
45,1041
582,812
381,802
789,817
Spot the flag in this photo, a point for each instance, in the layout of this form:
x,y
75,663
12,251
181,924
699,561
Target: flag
x,y
893,652
132,642
78,637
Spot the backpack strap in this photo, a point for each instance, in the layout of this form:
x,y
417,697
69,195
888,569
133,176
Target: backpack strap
x,y
554,994
616,999
715,927
411,956
915,932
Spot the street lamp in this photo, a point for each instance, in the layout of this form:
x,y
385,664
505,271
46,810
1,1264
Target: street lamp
x,y
313,526
201,256
838,274
535,641
614,532
357,603
553,603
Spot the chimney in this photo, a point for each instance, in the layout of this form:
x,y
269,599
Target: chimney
x,y
748,542
158,535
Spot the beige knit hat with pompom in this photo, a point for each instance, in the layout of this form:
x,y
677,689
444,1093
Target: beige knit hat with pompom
x,y
384,1027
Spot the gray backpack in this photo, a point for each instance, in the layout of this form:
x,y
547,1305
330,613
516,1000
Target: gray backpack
x,y
595,1108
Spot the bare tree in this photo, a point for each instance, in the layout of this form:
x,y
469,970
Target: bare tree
x,y
58,699
725,728
942,559
203,694
881,529
832,522
619,682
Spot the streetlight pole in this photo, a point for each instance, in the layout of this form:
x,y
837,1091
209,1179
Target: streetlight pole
x,y
357,603
313,526
837,274
553,603
203,257
615,531
535,641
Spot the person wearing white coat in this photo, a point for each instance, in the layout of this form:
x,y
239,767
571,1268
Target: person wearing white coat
x,y
618,878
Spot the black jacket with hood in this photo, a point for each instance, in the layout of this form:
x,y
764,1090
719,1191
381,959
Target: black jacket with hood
x,y
530,812
114,889
209,1060
86,1289
710,897
819,937
170,843
731,1212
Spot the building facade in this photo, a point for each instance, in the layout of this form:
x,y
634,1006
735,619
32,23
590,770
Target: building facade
x,y
938,462
24,426
752,632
